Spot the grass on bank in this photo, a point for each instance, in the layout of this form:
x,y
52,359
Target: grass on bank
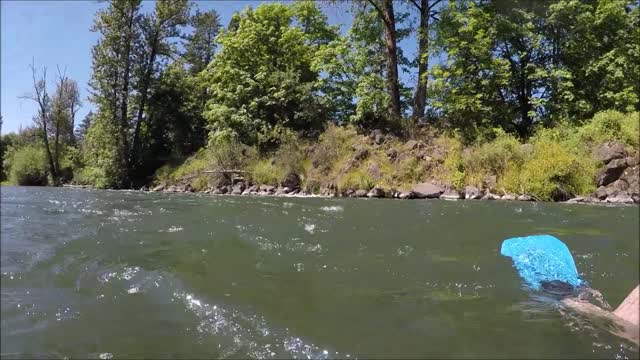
x,y
554,159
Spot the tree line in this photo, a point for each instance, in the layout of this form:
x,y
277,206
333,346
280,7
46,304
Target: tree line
x,y
167,83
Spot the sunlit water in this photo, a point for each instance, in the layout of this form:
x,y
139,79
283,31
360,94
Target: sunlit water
x,y
115,274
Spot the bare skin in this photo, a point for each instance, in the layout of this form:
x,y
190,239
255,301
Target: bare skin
x,y
625,317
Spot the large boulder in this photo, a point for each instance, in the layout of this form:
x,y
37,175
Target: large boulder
x,y
611,172
508,197
609,151
490,196
292,181
267,189
427,190
377,137
632,176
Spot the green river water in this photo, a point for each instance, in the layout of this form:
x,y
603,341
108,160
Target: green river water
x,y
124,274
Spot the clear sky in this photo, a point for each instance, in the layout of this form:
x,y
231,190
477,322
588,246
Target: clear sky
x,y
56,33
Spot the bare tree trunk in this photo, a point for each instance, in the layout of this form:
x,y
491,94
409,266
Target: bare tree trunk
x,y
143,100
393,86
41,97
124,110
420,95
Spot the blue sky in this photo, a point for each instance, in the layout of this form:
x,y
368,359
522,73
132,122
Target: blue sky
x,y
57,33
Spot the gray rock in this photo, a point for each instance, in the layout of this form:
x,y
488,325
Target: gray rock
x,y
158,188
374,171
144,188
238,188
361,154
267,188
490,196
508,197
617,188
489,182
360,193
377,137
451,195
292,181
376,192
609,151
472,192
524,197
251,190
601,193
611,172
172,188
220,190
392,154
349,192
411,145
621,199
405,195
427,190
632,176
577,199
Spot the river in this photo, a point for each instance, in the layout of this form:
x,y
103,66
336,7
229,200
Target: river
x,y
126,274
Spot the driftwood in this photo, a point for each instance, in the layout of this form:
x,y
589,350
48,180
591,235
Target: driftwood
x,y
225,172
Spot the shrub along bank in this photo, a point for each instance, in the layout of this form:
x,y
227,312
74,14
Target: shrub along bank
x,y
595,161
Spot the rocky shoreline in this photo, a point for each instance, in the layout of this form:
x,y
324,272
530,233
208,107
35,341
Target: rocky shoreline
x,y
617,181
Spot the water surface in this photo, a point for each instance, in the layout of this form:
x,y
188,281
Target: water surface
x,y
121,274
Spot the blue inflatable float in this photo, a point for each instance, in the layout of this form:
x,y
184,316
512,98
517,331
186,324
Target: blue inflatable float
x,y
541,258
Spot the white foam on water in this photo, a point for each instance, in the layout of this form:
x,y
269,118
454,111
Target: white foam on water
x,y
310,228
334,208
249,334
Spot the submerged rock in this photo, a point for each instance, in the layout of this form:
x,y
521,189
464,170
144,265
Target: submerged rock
x,y
427,190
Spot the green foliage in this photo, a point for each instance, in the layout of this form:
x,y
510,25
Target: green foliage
x,y
612,125
491,157
104,156
360,179
27,166
552,165
266,172
263,82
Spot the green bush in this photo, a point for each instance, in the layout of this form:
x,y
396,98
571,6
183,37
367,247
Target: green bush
x,y
491,158
612,125
266,172
552,165
360,179
27,166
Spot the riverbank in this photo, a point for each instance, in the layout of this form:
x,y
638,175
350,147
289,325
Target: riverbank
x,y
575,164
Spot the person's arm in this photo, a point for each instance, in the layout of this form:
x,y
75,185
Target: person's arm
x,y
628,310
